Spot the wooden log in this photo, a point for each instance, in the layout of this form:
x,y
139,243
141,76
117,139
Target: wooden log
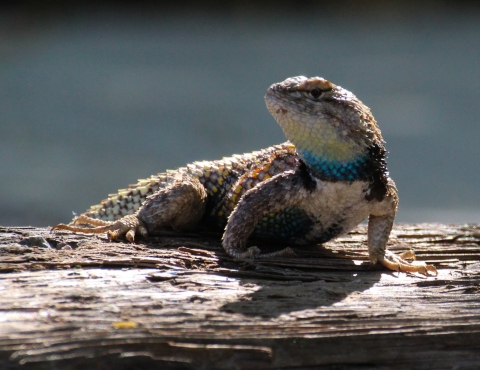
x,y
179,302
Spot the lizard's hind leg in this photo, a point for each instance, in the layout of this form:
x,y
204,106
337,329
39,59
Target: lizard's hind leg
x,y
127,226
180,206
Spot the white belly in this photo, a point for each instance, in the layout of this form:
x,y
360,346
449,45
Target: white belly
x,y
336,208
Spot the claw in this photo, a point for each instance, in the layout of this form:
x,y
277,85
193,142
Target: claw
x,y
432,269
130,235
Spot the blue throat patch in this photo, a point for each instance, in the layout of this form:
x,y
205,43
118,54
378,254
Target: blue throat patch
x,y
358,169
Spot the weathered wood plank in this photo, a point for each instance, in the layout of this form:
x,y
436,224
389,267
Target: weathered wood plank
x,y
178,302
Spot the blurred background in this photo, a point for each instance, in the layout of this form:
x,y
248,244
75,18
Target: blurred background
x,y
94,95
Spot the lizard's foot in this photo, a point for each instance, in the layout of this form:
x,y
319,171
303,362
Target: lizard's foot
x,y
286,252
128,226
397,263
255,253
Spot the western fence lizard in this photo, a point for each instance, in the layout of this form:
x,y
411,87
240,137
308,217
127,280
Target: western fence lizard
x,y
324,181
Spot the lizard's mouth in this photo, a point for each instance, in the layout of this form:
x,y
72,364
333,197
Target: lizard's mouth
x,y
275,107
276,100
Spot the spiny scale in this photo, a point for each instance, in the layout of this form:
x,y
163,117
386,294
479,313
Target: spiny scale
x,y
218,178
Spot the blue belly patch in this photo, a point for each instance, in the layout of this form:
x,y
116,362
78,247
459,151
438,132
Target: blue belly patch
x,y
292,225
287,225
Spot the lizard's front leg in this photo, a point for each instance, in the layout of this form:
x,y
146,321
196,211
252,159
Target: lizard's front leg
x,y
281,191
379,228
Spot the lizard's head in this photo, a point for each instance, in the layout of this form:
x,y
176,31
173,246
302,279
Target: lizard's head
x,y
332,130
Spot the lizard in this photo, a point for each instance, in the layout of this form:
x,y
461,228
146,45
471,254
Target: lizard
x,y
327,178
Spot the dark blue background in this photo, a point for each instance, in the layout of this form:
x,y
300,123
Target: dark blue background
x,y
91,99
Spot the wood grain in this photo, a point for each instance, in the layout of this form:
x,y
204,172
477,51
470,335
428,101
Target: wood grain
x,y
179,302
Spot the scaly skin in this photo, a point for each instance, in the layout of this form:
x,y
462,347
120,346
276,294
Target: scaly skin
x,y
324,181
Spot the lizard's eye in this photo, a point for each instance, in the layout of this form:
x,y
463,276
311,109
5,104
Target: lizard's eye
x,y
316,93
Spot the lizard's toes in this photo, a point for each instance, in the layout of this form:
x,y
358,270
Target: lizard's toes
x,y
254,252
80,229
58,227
130,235
90,225
115,233
128,226
286,252
143,231
239,253
408,255
398,263
85,220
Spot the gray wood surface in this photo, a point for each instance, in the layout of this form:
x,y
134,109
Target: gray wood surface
x,y
178,302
